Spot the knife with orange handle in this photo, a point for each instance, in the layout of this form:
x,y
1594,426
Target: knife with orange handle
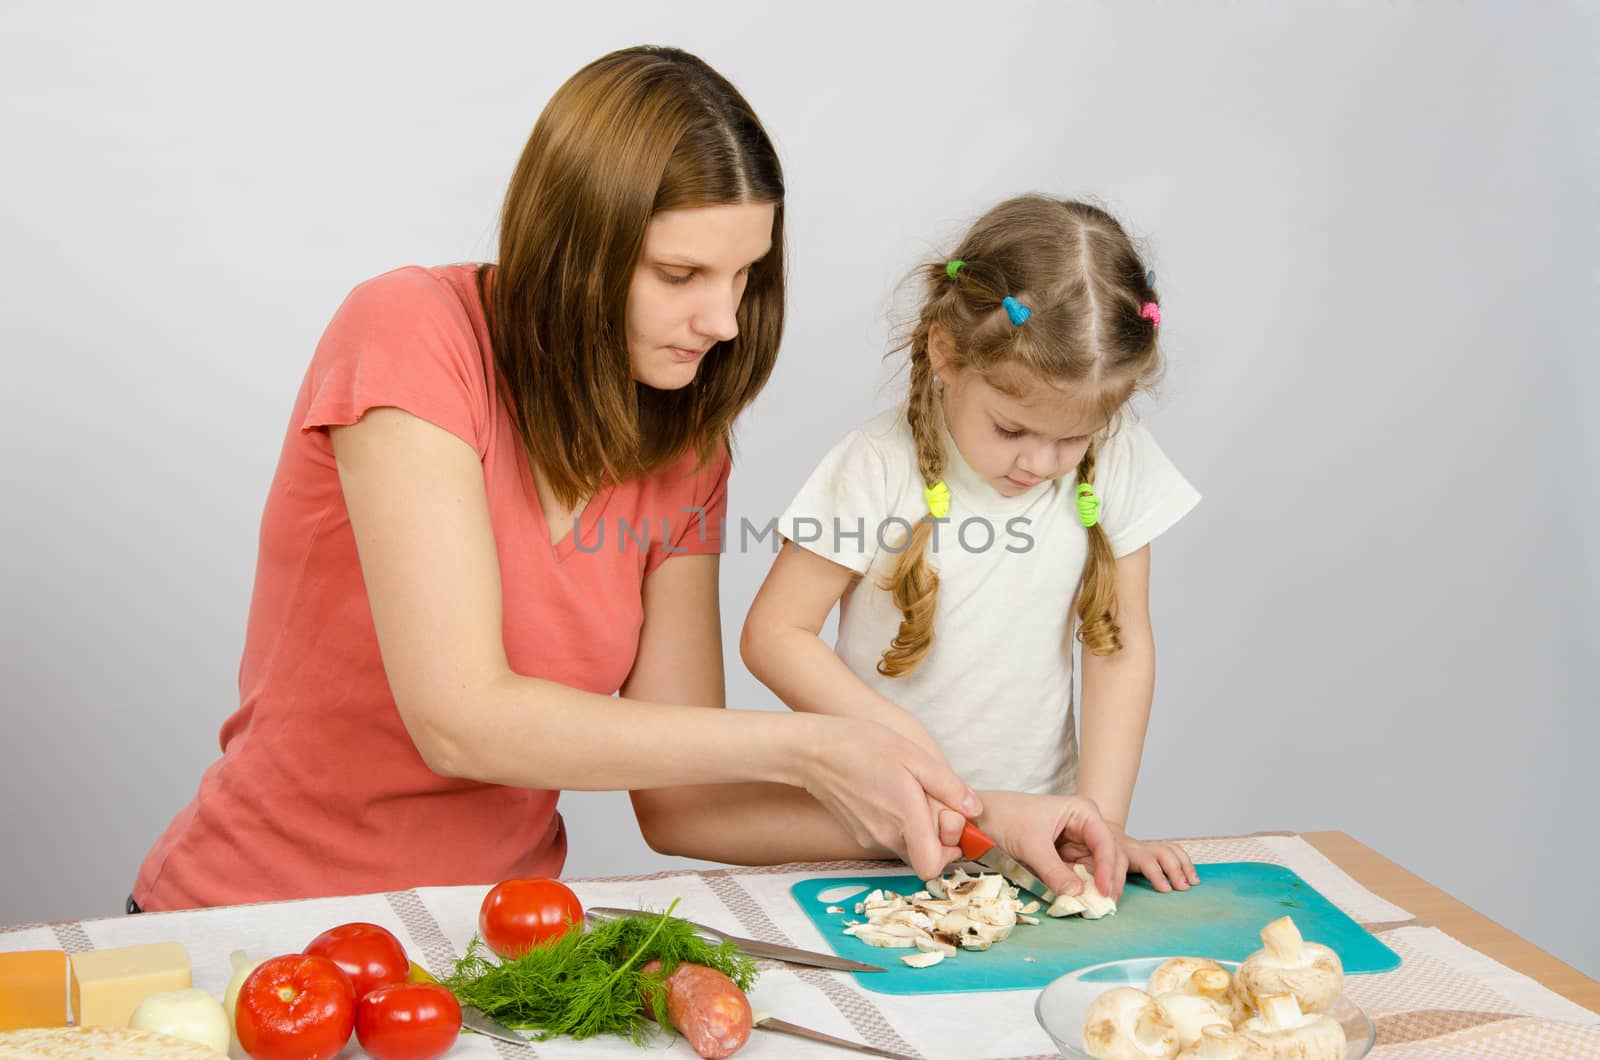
x,y
975,846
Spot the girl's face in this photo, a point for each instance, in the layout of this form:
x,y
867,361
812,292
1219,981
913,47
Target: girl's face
x,y
687,286
1014,443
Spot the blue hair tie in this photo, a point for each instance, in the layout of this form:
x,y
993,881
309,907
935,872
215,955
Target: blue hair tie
x,y
1016,311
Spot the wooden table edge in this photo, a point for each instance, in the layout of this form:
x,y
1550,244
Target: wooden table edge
x,y
1455,918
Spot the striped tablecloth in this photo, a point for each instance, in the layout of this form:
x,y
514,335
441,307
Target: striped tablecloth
x,y
1445,1002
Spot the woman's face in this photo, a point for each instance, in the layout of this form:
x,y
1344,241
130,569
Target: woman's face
x,y
687,286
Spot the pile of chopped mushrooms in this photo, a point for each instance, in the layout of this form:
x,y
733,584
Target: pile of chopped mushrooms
x,y
961,912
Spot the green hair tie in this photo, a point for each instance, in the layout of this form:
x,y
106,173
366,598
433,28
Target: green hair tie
x,y
953,267
1088,504
937,497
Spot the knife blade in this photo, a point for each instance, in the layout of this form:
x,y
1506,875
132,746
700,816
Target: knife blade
x,y
769,1023
476,1019
975,846
750,947
490,1027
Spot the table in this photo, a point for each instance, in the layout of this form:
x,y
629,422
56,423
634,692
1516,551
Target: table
x,y
1467,988
1411,892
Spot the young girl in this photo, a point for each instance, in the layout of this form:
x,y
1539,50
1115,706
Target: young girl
x,y
1006,511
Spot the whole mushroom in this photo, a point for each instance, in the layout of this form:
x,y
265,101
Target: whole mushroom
x,y
1203,978
1224,1043
1124,1023
1190,1014
1290,1034
1290,965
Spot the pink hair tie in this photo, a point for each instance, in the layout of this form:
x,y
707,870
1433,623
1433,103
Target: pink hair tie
x,y
1151,312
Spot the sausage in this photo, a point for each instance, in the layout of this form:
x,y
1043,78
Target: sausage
x,y
707,1008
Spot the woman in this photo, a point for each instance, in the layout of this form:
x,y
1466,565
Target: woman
x,y
498,503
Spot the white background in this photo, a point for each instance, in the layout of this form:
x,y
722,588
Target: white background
x,y
1374,229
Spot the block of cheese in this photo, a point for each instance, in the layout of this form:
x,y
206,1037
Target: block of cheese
x,y
107,985
33,989
100,1043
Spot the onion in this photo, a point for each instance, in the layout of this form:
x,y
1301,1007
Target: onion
x,y
191,1014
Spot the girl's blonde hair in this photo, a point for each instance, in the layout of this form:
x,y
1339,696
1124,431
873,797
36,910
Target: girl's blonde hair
x,y
1072,265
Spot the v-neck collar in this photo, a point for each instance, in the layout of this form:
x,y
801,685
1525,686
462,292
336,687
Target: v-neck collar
x,y
583,529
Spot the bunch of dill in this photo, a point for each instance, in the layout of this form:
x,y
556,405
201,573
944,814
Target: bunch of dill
x,y
585,983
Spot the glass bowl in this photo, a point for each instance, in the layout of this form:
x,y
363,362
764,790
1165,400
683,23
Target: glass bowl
x,y
1062,1004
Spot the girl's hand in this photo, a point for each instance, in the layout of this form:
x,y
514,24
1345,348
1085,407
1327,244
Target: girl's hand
x,y
1035,828
1166,865
884,790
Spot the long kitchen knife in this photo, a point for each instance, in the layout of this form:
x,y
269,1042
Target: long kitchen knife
x,y
751,947
769,1023
489,1026
975,846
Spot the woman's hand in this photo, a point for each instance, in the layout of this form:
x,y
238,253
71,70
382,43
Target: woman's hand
x,y
883,789
1035,829
1165,864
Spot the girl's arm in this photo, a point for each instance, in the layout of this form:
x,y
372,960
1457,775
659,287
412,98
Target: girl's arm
x,y
680,661
782,646
420,516
1117,690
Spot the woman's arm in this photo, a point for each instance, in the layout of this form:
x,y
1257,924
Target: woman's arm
x,y
420,517
782,646
1114,714
680,661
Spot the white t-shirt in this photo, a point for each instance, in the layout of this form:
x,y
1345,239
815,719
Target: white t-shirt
x,y
995,689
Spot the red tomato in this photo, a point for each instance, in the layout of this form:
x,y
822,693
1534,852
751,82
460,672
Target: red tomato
x,y
296,1007
369,955
408,1021
519,914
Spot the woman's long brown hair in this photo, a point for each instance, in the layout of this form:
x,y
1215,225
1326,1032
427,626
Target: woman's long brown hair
x,y
632,134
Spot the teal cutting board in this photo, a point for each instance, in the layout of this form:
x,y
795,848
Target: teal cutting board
x,y
1221,919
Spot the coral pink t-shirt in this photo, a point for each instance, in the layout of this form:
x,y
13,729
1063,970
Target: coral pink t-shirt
x,y
320,790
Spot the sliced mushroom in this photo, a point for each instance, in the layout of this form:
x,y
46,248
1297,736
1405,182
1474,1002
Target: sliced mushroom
x,y
953,922
969,912
1090,903
988,885
925,959
878,938
911,918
